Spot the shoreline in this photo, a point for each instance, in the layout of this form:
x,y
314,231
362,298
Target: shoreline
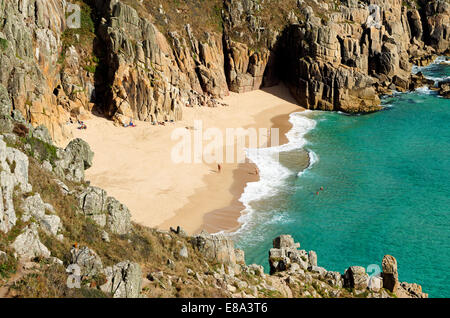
x,y
227,219
135,165
214,214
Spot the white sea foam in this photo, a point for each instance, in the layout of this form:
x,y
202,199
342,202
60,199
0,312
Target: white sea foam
x,y
313,159
425,90
272,173
439,60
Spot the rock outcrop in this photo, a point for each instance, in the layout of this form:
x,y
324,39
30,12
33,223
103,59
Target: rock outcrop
x,y
87,260
105,211
215,247
356,277
28,246
13,173
73,160
30,46
444,89
285,253
131,59
390,274
44,214
124,280
285,257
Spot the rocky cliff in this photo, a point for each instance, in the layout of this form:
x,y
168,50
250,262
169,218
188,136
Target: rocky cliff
x,y
148,60
61,237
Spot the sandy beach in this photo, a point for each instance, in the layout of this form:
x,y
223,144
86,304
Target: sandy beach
x,y
135,165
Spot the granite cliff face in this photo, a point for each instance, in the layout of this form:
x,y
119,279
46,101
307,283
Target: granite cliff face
x,y
361,50
149,60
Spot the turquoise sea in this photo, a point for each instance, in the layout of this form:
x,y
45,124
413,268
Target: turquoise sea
x,y
386,179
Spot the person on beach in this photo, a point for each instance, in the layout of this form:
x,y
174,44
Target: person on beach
x,y
82,125
219,168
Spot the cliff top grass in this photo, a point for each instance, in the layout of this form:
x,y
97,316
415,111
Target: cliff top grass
x,y
207,15
202,15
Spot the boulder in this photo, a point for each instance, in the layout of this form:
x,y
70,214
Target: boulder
x,y
19,163
92,201
41,132
219,247
124,280
74,160
285,241
419,80
401,83
105,237
118,217
88,261
375,283
390,274
51,224
334,279
356,277
278,260
312,258
240,256
319,270
80,150
33,206
444,89
411,291
28,246
105,211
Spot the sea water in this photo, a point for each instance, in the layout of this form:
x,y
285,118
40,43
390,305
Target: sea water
x,y
386,180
